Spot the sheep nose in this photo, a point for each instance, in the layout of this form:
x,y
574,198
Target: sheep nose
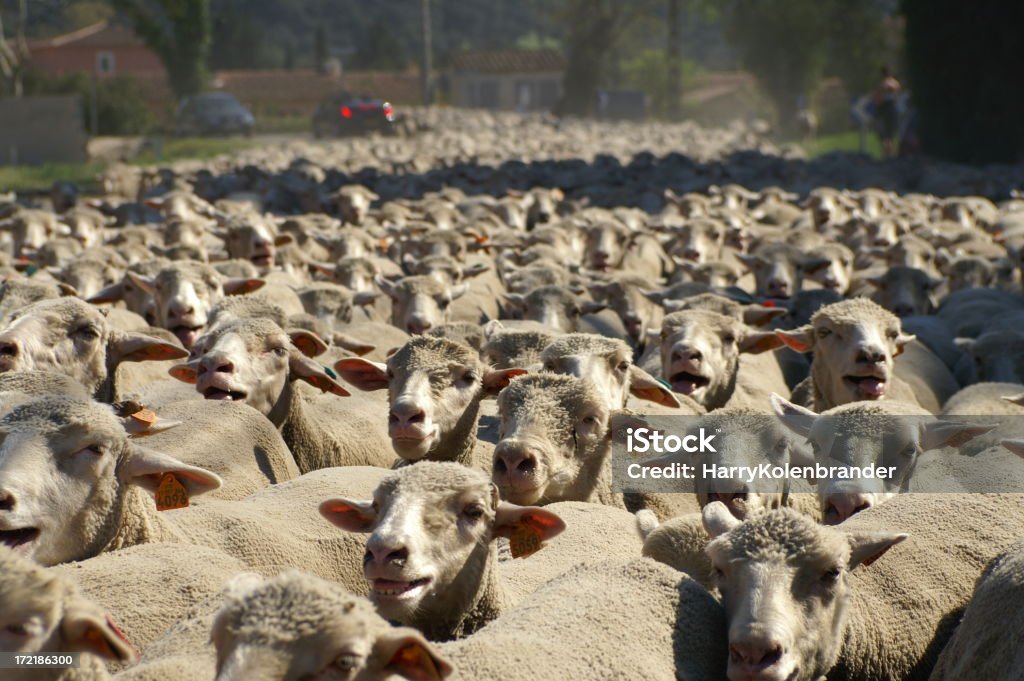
x,y
840,507
216,363
177,309
871,355
383,552
406,413
6,500
883,242
418,327
691,253
687,355
514,465
903,309
9,348
760,653
778,288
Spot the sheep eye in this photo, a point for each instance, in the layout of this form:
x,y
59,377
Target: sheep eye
x,y
719,574
443,303
473,512
88,332
892,334
830,576
589,420
280,352
467,378
390,374
623,366
16,629
347,662
824,333
729,339
549,366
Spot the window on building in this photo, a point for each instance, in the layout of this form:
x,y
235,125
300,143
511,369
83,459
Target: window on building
x,y
105,63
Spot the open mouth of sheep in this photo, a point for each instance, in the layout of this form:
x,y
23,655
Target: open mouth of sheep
x,y
867,386
15,538
687,383
392,588
187,334
227,395
264,260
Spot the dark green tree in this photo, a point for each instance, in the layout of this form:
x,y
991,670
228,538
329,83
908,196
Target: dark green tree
x,y
380,49
784,43
320,49
179,31
963,63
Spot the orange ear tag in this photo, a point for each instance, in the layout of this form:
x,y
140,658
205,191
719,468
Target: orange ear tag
x,y
147,416
171,494
525,541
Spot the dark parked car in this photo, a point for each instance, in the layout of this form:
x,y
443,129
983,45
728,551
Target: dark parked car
x,y
343,114
213,113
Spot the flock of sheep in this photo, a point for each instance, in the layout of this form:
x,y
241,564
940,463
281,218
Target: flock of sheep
x,y
347,411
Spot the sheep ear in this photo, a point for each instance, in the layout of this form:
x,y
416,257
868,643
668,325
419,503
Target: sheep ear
x,y
146,467
308,343
145,283
343,340
509,518
350,515
592,307
938,434
459,291
88,630
877,280
756,342
110,294
647,387
186,373
387,286
813,264
304,369
283,239
867,547
236,287
800,340
128,346
1017,399
751,262
497,379
798,419
493,327
475,269
654,296
964,344
901,342
362,373
759,315
405,653
364,298
1015,446
718,520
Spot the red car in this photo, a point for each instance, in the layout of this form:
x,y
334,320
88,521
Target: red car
x,y
343,115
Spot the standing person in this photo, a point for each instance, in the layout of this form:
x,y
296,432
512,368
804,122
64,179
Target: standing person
x,y
886,112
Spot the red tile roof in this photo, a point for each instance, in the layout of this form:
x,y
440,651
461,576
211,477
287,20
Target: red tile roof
x,y
509,61
101,34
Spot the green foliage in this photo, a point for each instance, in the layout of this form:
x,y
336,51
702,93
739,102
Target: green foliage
x,y
857,47
179,31
320,52
651,72
964,63
239,42
120,104
380,49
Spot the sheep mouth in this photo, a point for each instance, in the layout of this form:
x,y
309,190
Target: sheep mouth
x,y
390,588
187,334
262,260
868,387
14,539
225,395
686,383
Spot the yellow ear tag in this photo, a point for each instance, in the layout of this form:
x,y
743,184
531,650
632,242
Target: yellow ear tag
x,y
525,541
171,494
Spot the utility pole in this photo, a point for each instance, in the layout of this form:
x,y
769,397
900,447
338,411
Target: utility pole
x,y
427,62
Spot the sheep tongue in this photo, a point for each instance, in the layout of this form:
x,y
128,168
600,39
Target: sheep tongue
x,y
874,387
681,385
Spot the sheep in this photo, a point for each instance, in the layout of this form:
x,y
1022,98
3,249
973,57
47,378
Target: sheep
x,y
700,356
18,293
43,613
905,291
466,333
830,265
69,336
431,557
886,434
252,237
997,356
435,387
53,513
798,608
183,294
262,632
986,642
513,347
256,362
854,342
555,307
555,445
419,303
776,269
